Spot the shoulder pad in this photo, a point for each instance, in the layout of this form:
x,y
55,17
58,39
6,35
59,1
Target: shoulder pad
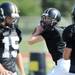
x,y
67,33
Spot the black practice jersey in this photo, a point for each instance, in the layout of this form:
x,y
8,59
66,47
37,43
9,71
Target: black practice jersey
x,y
69,38
9,47
53,39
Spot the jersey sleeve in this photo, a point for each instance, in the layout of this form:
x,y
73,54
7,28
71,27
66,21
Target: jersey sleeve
x,y
37,31
67,36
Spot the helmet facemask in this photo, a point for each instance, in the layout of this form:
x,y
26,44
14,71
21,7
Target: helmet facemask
x,y
48,22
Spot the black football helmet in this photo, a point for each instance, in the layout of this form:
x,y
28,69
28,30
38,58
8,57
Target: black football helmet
x,y
51,17
9,9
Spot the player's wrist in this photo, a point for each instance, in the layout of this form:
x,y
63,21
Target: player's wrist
x,y
2,68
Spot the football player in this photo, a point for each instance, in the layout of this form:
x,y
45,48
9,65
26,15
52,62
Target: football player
x,y
52,34
69,38
10,37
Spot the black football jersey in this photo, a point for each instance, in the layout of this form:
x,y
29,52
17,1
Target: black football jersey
x,y
54,42
53,39
9,48
69,38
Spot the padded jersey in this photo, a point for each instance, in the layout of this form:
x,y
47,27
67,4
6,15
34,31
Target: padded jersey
x,y
53,39
9,47
69,38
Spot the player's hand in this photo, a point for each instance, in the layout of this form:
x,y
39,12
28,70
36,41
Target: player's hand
x,y
3,71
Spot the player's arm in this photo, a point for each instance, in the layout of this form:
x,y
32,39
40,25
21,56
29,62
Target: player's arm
x,y
67,53
36,35
19,62
35,39
68,40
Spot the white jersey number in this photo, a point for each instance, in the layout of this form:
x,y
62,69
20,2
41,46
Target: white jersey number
x,y
9,41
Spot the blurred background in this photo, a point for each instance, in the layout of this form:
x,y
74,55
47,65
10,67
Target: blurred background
x,y
30,12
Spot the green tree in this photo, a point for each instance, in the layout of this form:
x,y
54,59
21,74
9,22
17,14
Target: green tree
x,y
27,7
65,6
